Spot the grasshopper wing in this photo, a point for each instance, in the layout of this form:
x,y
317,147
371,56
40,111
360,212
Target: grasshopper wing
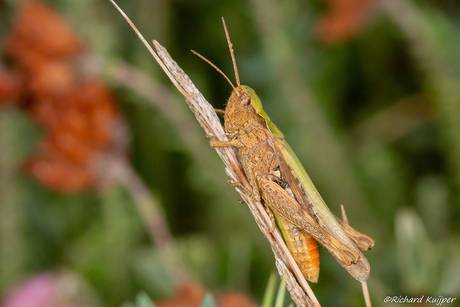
x,y
311,201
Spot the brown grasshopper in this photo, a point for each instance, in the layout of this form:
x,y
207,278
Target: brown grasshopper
x,y
279,180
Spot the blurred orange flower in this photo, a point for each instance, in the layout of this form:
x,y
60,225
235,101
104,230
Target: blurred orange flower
x,y
186,295
344,19
39,32
191,295
77,112
10,87
234,299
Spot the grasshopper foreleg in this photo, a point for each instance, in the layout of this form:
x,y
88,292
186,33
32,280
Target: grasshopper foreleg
x,y
234,142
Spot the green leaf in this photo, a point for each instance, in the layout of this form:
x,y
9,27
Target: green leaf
x,y
143,300
281,294
416,254
270,291
208,301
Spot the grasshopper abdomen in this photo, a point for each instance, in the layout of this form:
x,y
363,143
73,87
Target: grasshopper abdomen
x,y
303,248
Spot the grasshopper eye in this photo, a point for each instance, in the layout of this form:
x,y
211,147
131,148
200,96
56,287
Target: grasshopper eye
x,y
245,100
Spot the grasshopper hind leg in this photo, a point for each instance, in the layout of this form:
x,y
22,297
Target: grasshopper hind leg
x,y
302,246
284,205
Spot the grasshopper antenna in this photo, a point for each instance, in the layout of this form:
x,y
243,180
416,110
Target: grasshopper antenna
x,y
230,46
214,66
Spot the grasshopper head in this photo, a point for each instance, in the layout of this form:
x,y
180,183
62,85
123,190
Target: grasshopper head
x,y
243,105
240,108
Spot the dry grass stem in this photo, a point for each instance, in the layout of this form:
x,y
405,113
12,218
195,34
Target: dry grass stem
x,y
296,284
207,117
367,297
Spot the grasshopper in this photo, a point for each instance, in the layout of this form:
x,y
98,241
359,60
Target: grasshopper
x,y
278,179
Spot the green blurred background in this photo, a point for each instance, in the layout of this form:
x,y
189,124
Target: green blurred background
x,y
373,114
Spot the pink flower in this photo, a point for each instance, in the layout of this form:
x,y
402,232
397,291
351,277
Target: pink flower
x,y
35,292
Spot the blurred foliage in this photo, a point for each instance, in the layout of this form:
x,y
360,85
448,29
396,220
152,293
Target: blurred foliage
x,y
368,95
